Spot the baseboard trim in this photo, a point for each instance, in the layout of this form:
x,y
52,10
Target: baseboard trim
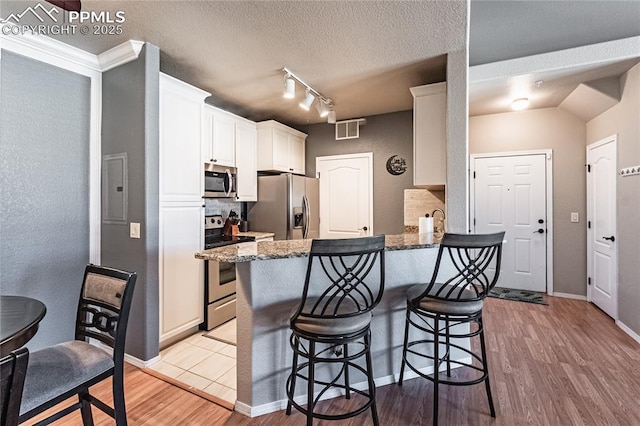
x,y
137,362
569,296
635,336
271,407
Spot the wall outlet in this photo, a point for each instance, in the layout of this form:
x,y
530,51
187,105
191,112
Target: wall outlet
x,y
575,217
134,230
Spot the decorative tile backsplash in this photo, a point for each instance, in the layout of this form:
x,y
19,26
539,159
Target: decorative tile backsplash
x,y
417,202
220,206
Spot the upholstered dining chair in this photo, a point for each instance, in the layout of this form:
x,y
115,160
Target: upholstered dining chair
x,y
13,368
449,308
331,325
70,368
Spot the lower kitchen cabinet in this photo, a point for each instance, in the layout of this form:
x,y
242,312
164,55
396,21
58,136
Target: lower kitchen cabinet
x,y
181,275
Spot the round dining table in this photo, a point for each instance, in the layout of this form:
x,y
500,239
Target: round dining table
x,y
19,319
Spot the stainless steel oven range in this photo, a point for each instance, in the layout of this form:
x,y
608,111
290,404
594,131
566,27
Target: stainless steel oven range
x,y
220,277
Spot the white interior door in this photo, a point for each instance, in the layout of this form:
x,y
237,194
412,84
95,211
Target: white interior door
x,y
601,226
346,195
510,195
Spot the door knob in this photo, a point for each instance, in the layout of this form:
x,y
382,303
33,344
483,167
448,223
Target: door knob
x,y
539,231
364,228
611,238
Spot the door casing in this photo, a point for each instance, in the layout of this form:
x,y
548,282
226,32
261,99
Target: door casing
x,y
548,153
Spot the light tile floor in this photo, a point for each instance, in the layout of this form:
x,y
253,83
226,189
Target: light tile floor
x,y
202,365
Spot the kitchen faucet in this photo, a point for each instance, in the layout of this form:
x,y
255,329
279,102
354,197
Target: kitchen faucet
x,y
436,227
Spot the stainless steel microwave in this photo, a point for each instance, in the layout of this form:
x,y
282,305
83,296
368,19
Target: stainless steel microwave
x,y
219,181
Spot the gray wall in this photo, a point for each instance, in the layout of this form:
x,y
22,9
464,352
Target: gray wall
x,y
622,119
44,188
384,135
130,108
564,133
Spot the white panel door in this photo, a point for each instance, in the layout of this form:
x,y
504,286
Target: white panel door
x,y
346,195
181,274
601,232
510,196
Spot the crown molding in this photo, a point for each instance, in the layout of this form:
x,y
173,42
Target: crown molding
x,y
47,49
121,54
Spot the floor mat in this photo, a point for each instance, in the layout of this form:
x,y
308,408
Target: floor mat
x,y
518,295
225,333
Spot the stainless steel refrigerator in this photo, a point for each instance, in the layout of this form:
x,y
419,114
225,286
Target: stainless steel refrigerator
x,y
288,206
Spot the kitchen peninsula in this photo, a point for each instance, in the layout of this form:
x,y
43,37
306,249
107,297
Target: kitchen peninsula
x,y
270,278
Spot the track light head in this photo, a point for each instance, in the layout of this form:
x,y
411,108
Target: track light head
x,y
308,101
324,106
331,117
289,87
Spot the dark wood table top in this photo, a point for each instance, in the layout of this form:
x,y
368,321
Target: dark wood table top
x,y
19,319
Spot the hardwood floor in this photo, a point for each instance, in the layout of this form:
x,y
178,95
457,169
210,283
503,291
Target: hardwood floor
x,y
562,364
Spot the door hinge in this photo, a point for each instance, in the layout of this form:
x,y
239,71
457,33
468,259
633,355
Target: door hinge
x,y
588,224
474,221
589,280
588,168
318,175
474,175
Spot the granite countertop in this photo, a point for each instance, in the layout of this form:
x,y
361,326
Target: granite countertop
x,y
281,249
256,234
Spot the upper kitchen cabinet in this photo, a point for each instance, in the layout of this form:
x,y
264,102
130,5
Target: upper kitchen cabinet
x,y
219,137
181,112
246,160
280,148
429,135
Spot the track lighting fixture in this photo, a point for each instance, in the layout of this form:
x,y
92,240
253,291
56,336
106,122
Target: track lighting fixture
x,y
289,87
324,105
308,100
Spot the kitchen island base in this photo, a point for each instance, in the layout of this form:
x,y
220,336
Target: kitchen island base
x,y
267,292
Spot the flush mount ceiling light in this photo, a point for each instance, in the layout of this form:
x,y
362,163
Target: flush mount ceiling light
x,y
324,105
289,87
520,104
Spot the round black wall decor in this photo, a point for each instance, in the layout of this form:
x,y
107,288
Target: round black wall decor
x,y
396,166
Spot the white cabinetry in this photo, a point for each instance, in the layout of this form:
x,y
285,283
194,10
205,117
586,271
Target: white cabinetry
x,y
246,160
181,274
280,148
181,216
181,169
219,137
429,135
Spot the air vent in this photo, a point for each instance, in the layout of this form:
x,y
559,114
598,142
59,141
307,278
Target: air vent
x,y
349,129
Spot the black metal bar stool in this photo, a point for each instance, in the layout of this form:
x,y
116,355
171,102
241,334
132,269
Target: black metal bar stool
x,y
467,267
330,327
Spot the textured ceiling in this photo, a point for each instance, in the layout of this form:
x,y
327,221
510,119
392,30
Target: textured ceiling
x,y
365,55
512,29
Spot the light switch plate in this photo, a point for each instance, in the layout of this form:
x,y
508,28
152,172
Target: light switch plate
x,y
575,217
134,230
